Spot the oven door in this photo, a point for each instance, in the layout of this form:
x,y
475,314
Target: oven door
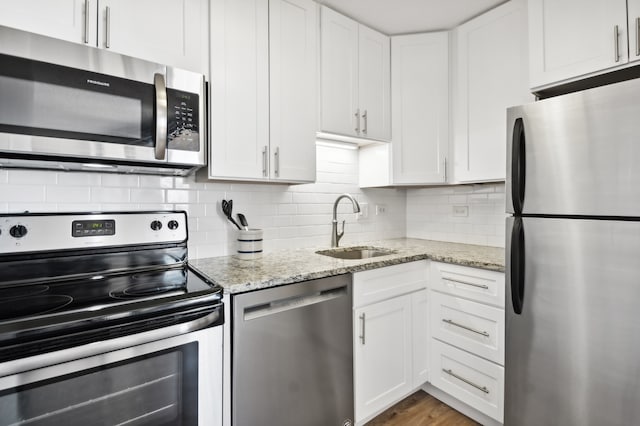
x,y
173,381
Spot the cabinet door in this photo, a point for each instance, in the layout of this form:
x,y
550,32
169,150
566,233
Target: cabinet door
x,y
339,73
420,339
490,76
71,20
382,355
172,32
633,13
420,107
374,83
571,38
239,139
293,30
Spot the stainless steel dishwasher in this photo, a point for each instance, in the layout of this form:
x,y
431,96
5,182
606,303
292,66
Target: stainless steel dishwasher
x,y
293,355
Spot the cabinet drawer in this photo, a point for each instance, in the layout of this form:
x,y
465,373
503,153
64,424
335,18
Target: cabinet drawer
x,y
473,380
391,281
468,325
472,283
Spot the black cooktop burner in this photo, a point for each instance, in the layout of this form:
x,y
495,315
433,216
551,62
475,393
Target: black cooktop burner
x,y
147,285
22,291
32,305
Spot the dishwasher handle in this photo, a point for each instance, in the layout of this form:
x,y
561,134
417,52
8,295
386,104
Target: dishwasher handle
x,y
291,303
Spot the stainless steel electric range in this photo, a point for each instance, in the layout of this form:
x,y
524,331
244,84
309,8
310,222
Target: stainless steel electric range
x,y
103,322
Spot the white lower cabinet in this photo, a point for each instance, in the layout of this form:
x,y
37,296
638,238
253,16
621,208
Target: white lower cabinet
x,y
469,378
390,336
467,329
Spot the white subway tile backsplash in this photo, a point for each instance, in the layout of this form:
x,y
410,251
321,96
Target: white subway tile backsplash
x,y
124,181
22,177
22,193
148,195
181,196
67,194
165,182
4,176
110,195
79,179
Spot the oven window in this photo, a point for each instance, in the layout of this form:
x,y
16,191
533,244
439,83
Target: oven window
x,y
154,389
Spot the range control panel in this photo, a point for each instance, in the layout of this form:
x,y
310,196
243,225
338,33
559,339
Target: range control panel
x,y
61,231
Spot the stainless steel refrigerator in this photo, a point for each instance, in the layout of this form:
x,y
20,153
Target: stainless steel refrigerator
x,y
573,259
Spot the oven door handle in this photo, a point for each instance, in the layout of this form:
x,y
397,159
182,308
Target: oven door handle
x,y
214,318
161,116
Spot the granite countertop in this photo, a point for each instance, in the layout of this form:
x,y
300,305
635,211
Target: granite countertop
x,y
291,266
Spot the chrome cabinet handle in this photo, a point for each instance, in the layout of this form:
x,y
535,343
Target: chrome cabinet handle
x,y
86,21
264,161
161,116
364,117
637,36
616,36
357,114
445,169
469,382
473,330
276,161
107,42
362,323
483,286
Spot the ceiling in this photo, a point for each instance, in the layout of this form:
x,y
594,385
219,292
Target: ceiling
x,y
411,16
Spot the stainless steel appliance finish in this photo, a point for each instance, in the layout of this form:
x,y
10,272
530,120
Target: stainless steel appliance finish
x,y
69,106
102,321
293,356
571,270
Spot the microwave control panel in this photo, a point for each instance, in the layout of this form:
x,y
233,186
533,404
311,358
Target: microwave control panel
x,y
183,131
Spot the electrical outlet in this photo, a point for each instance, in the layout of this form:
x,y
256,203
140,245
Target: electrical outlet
x,y
381,209
461,211
364,211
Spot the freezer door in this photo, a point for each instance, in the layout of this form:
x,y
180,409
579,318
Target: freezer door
x,y
572,354
576,154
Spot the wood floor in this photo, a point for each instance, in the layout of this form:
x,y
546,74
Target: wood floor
x,y
421,409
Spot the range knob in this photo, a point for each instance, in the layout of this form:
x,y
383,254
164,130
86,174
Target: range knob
x,y
18,231
156,225
173,224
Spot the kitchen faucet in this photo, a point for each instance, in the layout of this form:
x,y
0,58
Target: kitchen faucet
x,y
335,236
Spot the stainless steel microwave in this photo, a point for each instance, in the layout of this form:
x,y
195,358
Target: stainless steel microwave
x,y
73,107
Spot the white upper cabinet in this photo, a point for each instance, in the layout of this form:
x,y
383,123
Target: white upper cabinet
x,y
239,143
71,20
355,89
374,84
263,90
633,15
420,107
172,32
293,30
573,38
489,75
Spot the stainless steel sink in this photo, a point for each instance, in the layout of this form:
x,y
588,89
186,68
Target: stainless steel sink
x,y
362,252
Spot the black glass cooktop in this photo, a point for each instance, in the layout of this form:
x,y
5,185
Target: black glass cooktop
x,y
99,292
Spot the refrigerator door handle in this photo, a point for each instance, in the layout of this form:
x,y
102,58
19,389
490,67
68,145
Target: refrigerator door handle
x,y
518,166
517,265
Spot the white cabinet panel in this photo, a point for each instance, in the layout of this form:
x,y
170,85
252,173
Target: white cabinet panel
x,y
384,283
382,355
173,32
571,38
374,90
339,73
293,30
420,339
490,75
473,380
420,107
71,20
471,283
239,146
471,326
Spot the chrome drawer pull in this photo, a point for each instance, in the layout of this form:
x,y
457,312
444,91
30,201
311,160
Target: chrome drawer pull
x,y
483,286
469,382
363,321
482,333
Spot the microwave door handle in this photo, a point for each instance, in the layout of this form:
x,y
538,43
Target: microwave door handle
x,y
161,117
